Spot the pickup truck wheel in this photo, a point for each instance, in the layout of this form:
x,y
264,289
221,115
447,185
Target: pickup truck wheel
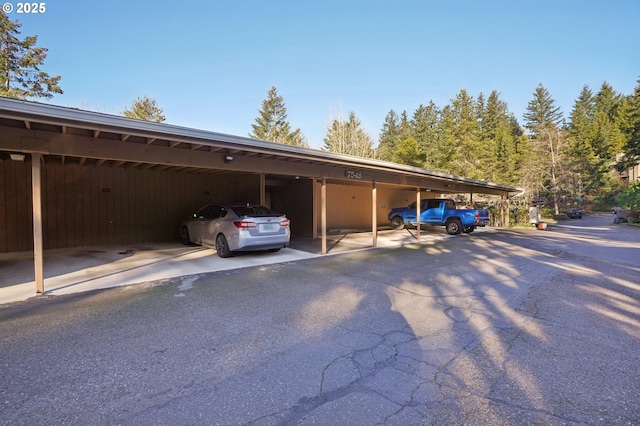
x,y
454,226
468,229
397,222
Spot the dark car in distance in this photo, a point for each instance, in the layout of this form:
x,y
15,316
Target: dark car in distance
x,y
575,214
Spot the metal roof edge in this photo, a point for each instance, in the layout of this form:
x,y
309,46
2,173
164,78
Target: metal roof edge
x,y
94,120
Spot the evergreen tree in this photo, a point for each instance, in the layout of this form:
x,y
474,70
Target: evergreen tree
x,y
541,111
146,109
498,158
408,152
390,136
20,62
607,100
585,165
631,129
427,131
548,144
272,125
504,169
348,137
449,157
464,140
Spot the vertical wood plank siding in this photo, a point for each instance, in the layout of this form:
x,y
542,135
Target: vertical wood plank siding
x,y
349,207
90,206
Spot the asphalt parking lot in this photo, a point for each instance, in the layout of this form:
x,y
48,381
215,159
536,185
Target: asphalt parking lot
x,y
502,327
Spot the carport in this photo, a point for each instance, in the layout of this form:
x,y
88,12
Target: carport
x,y
74,178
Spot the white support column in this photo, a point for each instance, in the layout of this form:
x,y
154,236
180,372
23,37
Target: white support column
x,y
374,214
418,212
36,189
323,214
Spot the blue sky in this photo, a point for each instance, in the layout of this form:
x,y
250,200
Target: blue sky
x,y
209,64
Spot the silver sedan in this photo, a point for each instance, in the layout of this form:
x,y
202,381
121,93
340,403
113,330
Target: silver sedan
x,y
237,227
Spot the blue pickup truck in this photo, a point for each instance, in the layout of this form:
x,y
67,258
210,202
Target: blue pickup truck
x,y
441,212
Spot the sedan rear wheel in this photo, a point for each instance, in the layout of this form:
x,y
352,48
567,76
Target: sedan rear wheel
x,y
222,247
184,236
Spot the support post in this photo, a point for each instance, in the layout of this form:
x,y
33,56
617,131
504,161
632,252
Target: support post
x,y
418,212
36,190
263,196
506,212
323,214
374,215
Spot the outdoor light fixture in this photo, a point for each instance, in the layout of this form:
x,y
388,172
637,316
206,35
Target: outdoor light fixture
x,y
228,158
17,156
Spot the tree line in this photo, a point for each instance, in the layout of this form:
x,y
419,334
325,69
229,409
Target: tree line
x,y
569,160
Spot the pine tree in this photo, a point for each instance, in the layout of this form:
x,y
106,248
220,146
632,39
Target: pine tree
x,y
427,131
584,164
408,152
548,140
272,125
389,137
609,119
541,111
146,109
20,62
348,137
498,156
631,130
464,134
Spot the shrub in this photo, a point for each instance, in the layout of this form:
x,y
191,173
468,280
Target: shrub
x,y
629,199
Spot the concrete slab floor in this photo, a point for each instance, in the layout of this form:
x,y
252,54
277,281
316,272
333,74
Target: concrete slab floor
x,y
90,268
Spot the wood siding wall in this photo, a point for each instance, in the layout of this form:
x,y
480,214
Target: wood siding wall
x,y
91,206
349,206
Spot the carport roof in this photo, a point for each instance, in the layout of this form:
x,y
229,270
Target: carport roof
x,y
31,127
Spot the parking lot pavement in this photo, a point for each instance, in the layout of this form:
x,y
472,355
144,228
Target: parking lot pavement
x,y
90,268
503,327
